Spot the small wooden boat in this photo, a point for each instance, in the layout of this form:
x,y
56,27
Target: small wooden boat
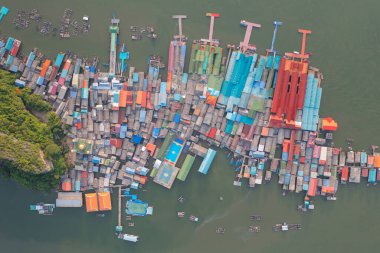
x,y
256,217
220,230
254,229
193,218
136,37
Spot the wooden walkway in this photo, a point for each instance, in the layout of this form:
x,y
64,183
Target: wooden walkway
x,y
119,208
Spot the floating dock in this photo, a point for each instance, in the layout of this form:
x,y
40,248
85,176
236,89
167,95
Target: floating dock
x,y
137,207
166,175
186,166
3,12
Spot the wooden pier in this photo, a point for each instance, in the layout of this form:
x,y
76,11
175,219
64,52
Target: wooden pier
x,y
244,45
119,208
211,30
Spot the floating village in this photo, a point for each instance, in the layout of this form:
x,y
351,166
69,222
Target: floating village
x,y
129,127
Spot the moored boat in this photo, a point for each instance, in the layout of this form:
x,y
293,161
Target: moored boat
x,y
193,218
44,209
254,229
220,230
128,237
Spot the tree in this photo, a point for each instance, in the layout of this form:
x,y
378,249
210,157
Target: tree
x,y
33,101
52,151
23,137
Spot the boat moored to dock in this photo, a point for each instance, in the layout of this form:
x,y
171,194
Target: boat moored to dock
x,y
285,227
42,208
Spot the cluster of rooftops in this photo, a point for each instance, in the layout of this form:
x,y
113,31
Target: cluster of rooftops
x,y
250,104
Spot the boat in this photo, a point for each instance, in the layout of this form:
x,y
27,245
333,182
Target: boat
x,y
133,28
180,214
152,35
237,181
150,29
123,56
285,227
131,224
3,11
256,217
280,227
181,199
44,209
186,147
294,226
220,230
193,218
242,23
268,175
15,47
301,208
252,181
100,215
128,237
136,37
331,198
254,229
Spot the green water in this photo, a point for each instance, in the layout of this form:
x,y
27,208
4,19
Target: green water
x,y
346,46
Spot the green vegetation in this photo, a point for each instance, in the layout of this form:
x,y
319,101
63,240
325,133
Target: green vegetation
x,y
24,155
31,152
34,102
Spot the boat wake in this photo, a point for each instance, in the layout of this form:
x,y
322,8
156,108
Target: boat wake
x,y
222,215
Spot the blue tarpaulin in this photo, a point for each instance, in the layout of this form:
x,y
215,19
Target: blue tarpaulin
x,y
177,118
177,97
135,77
136,139
95,160
156,132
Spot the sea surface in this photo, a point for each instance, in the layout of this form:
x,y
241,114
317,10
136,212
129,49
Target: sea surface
x,y
345,46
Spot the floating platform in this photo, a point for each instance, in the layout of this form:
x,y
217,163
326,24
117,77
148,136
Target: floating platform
x,y
166,175
138,208
174,151
186,166
44,209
